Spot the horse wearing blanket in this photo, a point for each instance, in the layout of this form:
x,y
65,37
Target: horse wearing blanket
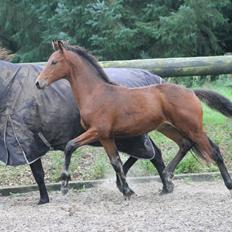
x,y
32,122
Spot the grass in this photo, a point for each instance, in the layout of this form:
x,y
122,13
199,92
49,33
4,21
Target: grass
x,y
92,163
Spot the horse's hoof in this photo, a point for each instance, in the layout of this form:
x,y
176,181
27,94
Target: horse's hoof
x,y
43,201
128,193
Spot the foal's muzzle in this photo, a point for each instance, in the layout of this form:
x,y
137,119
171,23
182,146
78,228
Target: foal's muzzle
x,y
41,84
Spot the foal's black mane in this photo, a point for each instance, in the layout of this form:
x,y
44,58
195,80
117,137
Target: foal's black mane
x,y
92,60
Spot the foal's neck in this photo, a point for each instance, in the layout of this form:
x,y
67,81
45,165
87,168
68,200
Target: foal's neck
x,y
85,83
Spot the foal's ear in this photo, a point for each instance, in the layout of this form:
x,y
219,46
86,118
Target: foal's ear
x,y
60,46
55,45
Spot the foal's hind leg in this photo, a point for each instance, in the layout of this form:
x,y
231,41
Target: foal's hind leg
x,y
169,170
158,163
217,157
184,146
112,152
87,137
210,151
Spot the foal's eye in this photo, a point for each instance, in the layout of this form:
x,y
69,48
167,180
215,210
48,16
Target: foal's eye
x,y
54,62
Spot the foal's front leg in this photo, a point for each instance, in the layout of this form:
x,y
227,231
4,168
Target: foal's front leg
x,y
126,166
112,152
87,137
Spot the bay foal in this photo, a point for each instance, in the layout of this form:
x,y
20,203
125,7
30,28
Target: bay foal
x,y
109,111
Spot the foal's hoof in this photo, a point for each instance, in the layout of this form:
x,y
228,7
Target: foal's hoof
x,y
167,189
43,201
65,178
128,193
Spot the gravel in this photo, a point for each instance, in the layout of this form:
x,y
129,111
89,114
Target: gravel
x,y
194,206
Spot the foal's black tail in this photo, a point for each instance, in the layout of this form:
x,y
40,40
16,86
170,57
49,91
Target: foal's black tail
x,y
215,101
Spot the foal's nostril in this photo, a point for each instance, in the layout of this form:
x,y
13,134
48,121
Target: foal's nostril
x,y
37,85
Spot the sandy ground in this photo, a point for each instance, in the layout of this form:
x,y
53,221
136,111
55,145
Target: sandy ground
x,y
194,206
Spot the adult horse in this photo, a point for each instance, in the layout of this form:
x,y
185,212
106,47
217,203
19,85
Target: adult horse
x,y
109,111
32,121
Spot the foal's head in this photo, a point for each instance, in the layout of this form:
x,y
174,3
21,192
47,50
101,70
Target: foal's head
x,y
63,61
58,66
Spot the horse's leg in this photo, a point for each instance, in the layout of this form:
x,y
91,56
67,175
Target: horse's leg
x,y
38,173
87,137
158,162
112,152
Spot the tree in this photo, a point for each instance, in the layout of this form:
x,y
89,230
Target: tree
x,y
117,29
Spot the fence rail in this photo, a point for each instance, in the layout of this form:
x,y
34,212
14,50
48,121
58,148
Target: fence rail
x,y
175,67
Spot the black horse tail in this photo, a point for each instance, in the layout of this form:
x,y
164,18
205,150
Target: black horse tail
x,y
215,101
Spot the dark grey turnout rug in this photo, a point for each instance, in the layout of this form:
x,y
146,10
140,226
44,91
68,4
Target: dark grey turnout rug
x,y
33,121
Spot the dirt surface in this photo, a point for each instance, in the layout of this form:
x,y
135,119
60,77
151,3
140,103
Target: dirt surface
x,y
194,206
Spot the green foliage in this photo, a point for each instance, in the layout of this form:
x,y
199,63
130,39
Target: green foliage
x,y
189,165
100,167
122,29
